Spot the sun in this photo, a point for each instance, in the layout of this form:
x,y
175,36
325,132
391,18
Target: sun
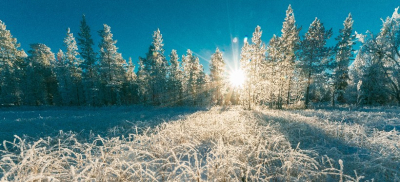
x,y
237,78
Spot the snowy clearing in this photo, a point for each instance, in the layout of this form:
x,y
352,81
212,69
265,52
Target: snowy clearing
x,y
182,144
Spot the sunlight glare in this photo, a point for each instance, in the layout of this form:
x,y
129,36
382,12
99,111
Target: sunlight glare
x,y
237,78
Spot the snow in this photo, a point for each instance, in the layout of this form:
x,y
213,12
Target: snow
x,y
184,144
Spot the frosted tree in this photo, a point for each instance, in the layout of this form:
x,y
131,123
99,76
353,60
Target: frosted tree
x,y
253,64
42,83
381,63
192,76
343,54
73,64
130,85
202,91
90,75
314,54
218,77
175,88
289,42
11,71
273,73
62,70
111,67
158,71
143,82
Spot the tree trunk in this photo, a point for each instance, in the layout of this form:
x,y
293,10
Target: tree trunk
x,y
308,90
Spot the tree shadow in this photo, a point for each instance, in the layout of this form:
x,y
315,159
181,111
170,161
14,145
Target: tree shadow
x,y
308,137
38,122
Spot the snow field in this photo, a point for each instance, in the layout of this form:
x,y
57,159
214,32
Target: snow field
x,y
215,145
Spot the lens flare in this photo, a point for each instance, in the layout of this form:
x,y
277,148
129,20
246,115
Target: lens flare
x,y
235,40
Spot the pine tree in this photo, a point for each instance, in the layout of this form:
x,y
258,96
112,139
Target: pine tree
x,y
42,89
130,85
90,77
192,75
175,88
64,78
343,51
314,53
111,67
158,71
143,82
253,64
11,61
218,77
73,64
273,73
289,42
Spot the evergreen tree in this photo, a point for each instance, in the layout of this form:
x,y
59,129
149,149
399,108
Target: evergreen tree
x,y
289,42
130,85
64,78
111,67
158,71
343,51
11,61
42,89
192,75
143,82
90,77
218,77
273,73
253,65
73,64
175,88
314,53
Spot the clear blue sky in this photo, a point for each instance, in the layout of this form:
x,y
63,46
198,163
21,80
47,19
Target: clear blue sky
x,y
199,25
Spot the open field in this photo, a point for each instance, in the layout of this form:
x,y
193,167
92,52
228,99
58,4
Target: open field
x,y
192,144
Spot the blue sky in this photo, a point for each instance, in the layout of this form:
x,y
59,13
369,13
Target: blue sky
x,y
199,25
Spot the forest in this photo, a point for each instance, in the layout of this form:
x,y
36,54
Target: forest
x,y
304,106
289,71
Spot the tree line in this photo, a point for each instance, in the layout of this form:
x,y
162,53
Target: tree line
x,y
288,71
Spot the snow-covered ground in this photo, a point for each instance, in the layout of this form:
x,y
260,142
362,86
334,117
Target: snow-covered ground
x,y
184,144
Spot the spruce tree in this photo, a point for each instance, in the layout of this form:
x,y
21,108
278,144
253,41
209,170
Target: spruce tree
x,y
175,88
90,77
111,67
343,52
218,77
314,54
289,42
43,87
74,64
11,68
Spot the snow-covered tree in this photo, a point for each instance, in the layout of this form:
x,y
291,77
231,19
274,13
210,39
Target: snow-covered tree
x,y
64,79
175,88
253,65
111,67
273,74
130,86
42,83
288,45
193,76
218,77
143,82
90,77
343,54
159,68
11,74
73,64
380,64
314,54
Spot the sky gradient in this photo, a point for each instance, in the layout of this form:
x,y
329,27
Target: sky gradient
x,y
199,25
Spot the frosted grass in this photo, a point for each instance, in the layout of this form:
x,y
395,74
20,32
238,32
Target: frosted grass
x,y
215,145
